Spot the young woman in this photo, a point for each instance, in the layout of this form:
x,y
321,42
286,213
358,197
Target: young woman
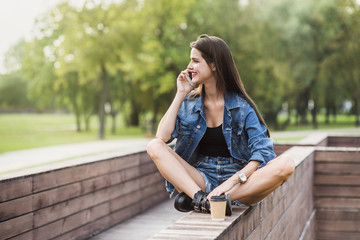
x,y
223,144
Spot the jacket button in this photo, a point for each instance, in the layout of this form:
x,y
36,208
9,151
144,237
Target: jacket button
x,y
190,142
198,126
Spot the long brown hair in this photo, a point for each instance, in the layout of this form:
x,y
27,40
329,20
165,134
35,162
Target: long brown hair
x,y
215,50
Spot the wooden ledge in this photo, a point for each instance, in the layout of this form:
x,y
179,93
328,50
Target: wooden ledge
x,y
315,139
245,222
200,226
68,163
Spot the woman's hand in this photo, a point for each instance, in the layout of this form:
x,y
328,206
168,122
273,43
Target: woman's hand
x,y
223,188
183,86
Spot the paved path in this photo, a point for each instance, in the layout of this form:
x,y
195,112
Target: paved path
x,y
13,161
305,133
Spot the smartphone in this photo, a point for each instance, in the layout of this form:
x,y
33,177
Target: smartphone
x,y
189,78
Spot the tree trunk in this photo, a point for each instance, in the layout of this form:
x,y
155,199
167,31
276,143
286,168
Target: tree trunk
x,y
154,118
87,121
357,112
288,119
328,109
77,114
314,116
271,119
113,122
104,94
78,123
302,105
134,114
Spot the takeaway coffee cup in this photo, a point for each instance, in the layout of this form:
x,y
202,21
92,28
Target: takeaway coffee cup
x,y
218,207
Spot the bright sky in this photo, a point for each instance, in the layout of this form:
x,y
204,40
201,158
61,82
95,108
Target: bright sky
x,y
17,19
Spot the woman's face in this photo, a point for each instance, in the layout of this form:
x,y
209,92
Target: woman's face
x,y
199,68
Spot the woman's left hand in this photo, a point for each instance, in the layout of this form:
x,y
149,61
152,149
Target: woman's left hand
x,y
223,188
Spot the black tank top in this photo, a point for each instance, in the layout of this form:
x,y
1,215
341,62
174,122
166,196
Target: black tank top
x,y
213,143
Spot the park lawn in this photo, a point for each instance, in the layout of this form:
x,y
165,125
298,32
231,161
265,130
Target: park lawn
x,y
341,121
24,131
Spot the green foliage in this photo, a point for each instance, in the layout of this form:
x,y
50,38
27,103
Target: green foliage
x,y
13,92
127,54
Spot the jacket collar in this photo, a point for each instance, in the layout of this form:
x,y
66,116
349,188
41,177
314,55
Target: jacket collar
x,y
232,100
198,103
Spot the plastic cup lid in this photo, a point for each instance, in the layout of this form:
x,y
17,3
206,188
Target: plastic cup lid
x,y
218,198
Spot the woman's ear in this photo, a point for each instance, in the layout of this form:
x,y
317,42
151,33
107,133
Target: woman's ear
x,y
212,67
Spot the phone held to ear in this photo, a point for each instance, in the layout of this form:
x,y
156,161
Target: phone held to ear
x,y
189,78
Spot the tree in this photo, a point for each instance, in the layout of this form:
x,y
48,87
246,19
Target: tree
x,y
126,55
13,92
350,49
164,52
38,63
13,87
83,47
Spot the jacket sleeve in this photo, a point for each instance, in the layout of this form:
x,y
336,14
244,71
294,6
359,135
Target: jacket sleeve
x,y
260,145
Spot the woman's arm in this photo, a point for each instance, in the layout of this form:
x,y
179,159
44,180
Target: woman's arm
x,y
226,186
261,146
167,123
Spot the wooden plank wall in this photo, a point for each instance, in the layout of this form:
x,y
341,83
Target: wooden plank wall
x,y
315,139
279,148
321,206
337,192
287,213
284,214
343,141
80,201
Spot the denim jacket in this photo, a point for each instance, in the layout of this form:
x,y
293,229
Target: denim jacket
x,y
245,136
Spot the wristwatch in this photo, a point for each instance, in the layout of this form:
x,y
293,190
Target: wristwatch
x,y
242,177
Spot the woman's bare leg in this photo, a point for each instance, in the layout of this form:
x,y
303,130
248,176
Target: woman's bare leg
x,y
173,168
264,180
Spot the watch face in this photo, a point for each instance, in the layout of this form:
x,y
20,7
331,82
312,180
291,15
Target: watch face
x,y
242,177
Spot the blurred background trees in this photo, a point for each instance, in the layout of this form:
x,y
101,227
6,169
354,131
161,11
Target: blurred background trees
x,y
121,58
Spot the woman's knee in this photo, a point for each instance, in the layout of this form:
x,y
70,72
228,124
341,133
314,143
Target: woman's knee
x,y
287,166
154,147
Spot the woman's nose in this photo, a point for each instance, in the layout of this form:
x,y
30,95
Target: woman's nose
x,y
189,66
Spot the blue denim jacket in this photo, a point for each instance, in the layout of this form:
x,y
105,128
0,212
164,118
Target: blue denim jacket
x,y
245,136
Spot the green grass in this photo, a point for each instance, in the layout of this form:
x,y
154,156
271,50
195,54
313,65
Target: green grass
x,y
287,139
24,131
341,121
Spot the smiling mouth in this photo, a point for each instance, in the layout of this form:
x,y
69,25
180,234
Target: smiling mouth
x,y
193,74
